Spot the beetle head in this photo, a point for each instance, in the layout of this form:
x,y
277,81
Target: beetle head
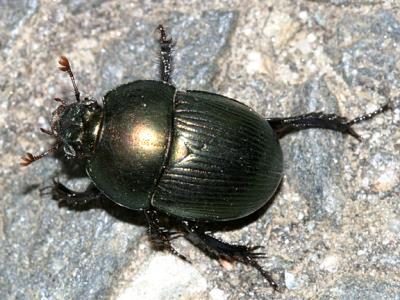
x,y
75,126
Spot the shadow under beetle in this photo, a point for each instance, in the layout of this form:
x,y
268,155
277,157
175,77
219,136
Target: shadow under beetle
x,y
194,155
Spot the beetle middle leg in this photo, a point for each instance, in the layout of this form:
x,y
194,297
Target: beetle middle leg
x,y
220,249
166,45
72,199
283,126
161,237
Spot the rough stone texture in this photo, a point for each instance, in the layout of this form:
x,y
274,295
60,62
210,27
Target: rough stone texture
x,y
333,231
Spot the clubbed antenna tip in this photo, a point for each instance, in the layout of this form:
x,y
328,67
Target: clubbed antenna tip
x,y
64,64
29,158
66,67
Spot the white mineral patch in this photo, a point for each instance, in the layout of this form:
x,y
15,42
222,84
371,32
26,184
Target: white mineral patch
x,y
330,263
165,277
217,294
290,281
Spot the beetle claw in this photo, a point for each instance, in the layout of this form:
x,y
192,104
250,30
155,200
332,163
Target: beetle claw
x,y
354,134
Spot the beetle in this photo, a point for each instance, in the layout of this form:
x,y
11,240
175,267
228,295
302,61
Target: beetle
x,y
194,155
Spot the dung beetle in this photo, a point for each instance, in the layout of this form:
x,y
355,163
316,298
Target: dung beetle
x,y
194,155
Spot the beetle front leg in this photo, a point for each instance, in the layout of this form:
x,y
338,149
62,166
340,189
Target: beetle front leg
x,y
220,249
161,237
165,55
72,199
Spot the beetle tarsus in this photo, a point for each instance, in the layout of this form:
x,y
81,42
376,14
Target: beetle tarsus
x,y
220,249
165,55
160,236
382,109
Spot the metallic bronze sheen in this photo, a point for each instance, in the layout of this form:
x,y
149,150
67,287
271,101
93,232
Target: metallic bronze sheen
x,y
133,142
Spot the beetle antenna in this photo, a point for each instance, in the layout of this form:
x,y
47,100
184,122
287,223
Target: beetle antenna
x,y
66,67
29,158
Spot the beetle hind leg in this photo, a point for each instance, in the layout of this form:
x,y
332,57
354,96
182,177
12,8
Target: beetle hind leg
x,y
165,54
160,236
219,249
283,126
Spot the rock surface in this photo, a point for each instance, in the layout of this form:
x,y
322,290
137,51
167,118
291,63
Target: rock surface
x,y
333,230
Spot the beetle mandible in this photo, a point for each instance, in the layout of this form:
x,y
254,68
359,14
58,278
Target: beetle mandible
x,y
195,155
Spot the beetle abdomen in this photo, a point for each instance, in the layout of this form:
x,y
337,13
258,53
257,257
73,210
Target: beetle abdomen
x,y
225,161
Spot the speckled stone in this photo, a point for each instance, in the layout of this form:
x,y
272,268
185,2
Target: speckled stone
x,y
333,229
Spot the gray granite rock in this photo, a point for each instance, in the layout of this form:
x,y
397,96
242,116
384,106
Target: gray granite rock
x,y
333,229
351,3
368,289
314,157
13,17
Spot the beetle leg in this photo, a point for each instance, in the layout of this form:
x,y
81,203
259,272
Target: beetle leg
x,y
165,55
283,126
160,236
220,249
71,199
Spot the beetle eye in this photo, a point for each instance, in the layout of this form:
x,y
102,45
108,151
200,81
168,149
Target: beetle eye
x,y
91,105
69,150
